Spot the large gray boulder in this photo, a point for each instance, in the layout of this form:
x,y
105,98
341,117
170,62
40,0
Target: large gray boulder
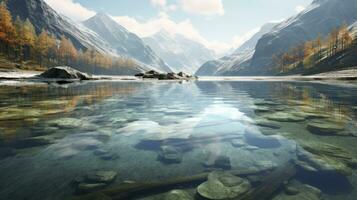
x,y
64,72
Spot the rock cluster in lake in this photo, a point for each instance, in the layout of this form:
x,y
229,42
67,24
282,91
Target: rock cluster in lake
x,y
152,74
64,72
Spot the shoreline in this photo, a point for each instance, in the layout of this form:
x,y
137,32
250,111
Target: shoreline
x,y
349,75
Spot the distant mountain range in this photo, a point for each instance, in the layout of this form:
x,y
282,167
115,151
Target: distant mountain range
x,y
229,65
179,52
166,53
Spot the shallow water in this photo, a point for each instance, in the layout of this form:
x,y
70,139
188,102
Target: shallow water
x,y
157,131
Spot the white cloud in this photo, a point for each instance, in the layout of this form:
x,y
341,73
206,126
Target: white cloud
x,y
299,8
203,7
74,11
159,3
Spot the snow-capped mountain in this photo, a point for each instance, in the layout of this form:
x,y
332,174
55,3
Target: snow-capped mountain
x,y
319,18
232,64
124,42
179,52
43,16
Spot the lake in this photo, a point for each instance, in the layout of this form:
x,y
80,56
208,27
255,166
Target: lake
x,y
63,141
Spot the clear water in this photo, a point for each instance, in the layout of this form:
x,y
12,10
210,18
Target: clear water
x,y
50,135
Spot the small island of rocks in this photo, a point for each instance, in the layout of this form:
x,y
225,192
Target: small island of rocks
x,y
152,74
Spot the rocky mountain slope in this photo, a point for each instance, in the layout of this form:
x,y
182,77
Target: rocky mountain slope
x,y
180,53
230,65
319,18
124,42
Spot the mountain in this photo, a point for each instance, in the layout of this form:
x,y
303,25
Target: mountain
x,y
232,64
124,42
319,18
179,52
42,16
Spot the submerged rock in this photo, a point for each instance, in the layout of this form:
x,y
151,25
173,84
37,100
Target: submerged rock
x,y
177,195
253,138
223,185
94,181
285,117
64,72
318,156
220,162
267,123
67,123
326,128
101,177
33,142
90,187
170,155
298,191
6,152
238,143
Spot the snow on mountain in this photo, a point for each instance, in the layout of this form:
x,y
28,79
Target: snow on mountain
x,y
179,52
124,42
230,65
319,18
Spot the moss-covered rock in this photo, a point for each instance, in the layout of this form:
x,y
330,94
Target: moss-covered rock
x,y
318,156
223,185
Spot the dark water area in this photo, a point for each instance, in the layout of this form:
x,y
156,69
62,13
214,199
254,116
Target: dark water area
x,y
60,142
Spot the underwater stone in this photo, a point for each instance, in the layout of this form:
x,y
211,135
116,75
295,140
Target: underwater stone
x,y
101,177
256,139
285,117
6,152
267,123
177,195
90,187
170,155
299,191
262,109
33,142
223,185
325,128
67,123
318,156
237,143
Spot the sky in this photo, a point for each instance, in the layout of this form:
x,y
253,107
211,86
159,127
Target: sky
x,y
220,25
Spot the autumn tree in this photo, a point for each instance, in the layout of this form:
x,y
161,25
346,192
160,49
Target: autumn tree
x,y
44,44
67,51
7,29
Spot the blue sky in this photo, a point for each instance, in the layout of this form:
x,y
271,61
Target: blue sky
x,y
218,24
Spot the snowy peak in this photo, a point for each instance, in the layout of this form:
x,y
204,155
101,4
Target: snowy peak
x,y
229,65
124,42
179,52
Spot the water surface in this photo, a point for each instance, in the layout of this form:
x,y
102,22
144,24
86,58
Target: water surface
x,y
155,131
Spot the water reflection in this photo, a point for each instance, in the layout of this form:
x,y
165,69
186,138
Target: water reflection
x,y
161,131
